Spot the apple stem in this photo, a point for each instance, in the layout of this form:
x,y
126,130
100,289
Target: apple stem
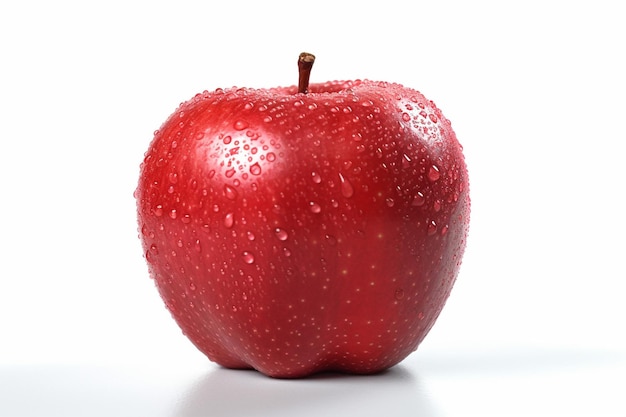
x,y
305,63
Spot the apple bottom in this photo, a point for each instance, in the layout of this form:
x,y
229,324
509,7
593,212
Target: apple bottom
x,y
368,355
354,319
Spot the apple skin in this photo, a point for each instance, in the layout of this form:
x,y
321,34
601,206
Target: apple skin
x,y
298,233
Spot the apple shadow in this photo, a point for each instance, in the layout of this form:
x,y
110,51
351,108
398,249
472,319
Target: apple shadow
x,y
225,392
517,361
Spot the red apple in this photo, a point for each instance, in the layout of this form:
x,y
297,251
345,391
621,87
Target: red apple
x,y
302,229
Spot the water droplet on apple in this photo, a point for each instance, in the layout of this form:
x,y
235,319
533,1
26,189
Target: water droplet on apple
x,y
281,234
250,235
229,219
197,246
432,228
186,218
406,161
158,210
271,156
173,177
433,118
149,257
255,169
173,214
199,136
437,205
346,187
248,257
399,294
406,117
229,173
418,200
146,232
154,249
444,230
332,240
316,177
314,207
433,173
241,125
192,286
230,192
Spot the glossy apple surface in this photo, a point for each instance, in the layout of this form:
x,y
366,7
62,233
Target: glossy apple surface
x,y
295,233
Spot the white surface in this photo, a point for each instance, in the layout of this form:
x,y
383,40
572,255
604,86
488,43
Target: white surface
x,y
531,383
535,92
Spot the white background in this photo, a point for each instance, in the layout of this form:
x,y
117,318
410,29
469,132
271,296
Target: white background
x,y
535,91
